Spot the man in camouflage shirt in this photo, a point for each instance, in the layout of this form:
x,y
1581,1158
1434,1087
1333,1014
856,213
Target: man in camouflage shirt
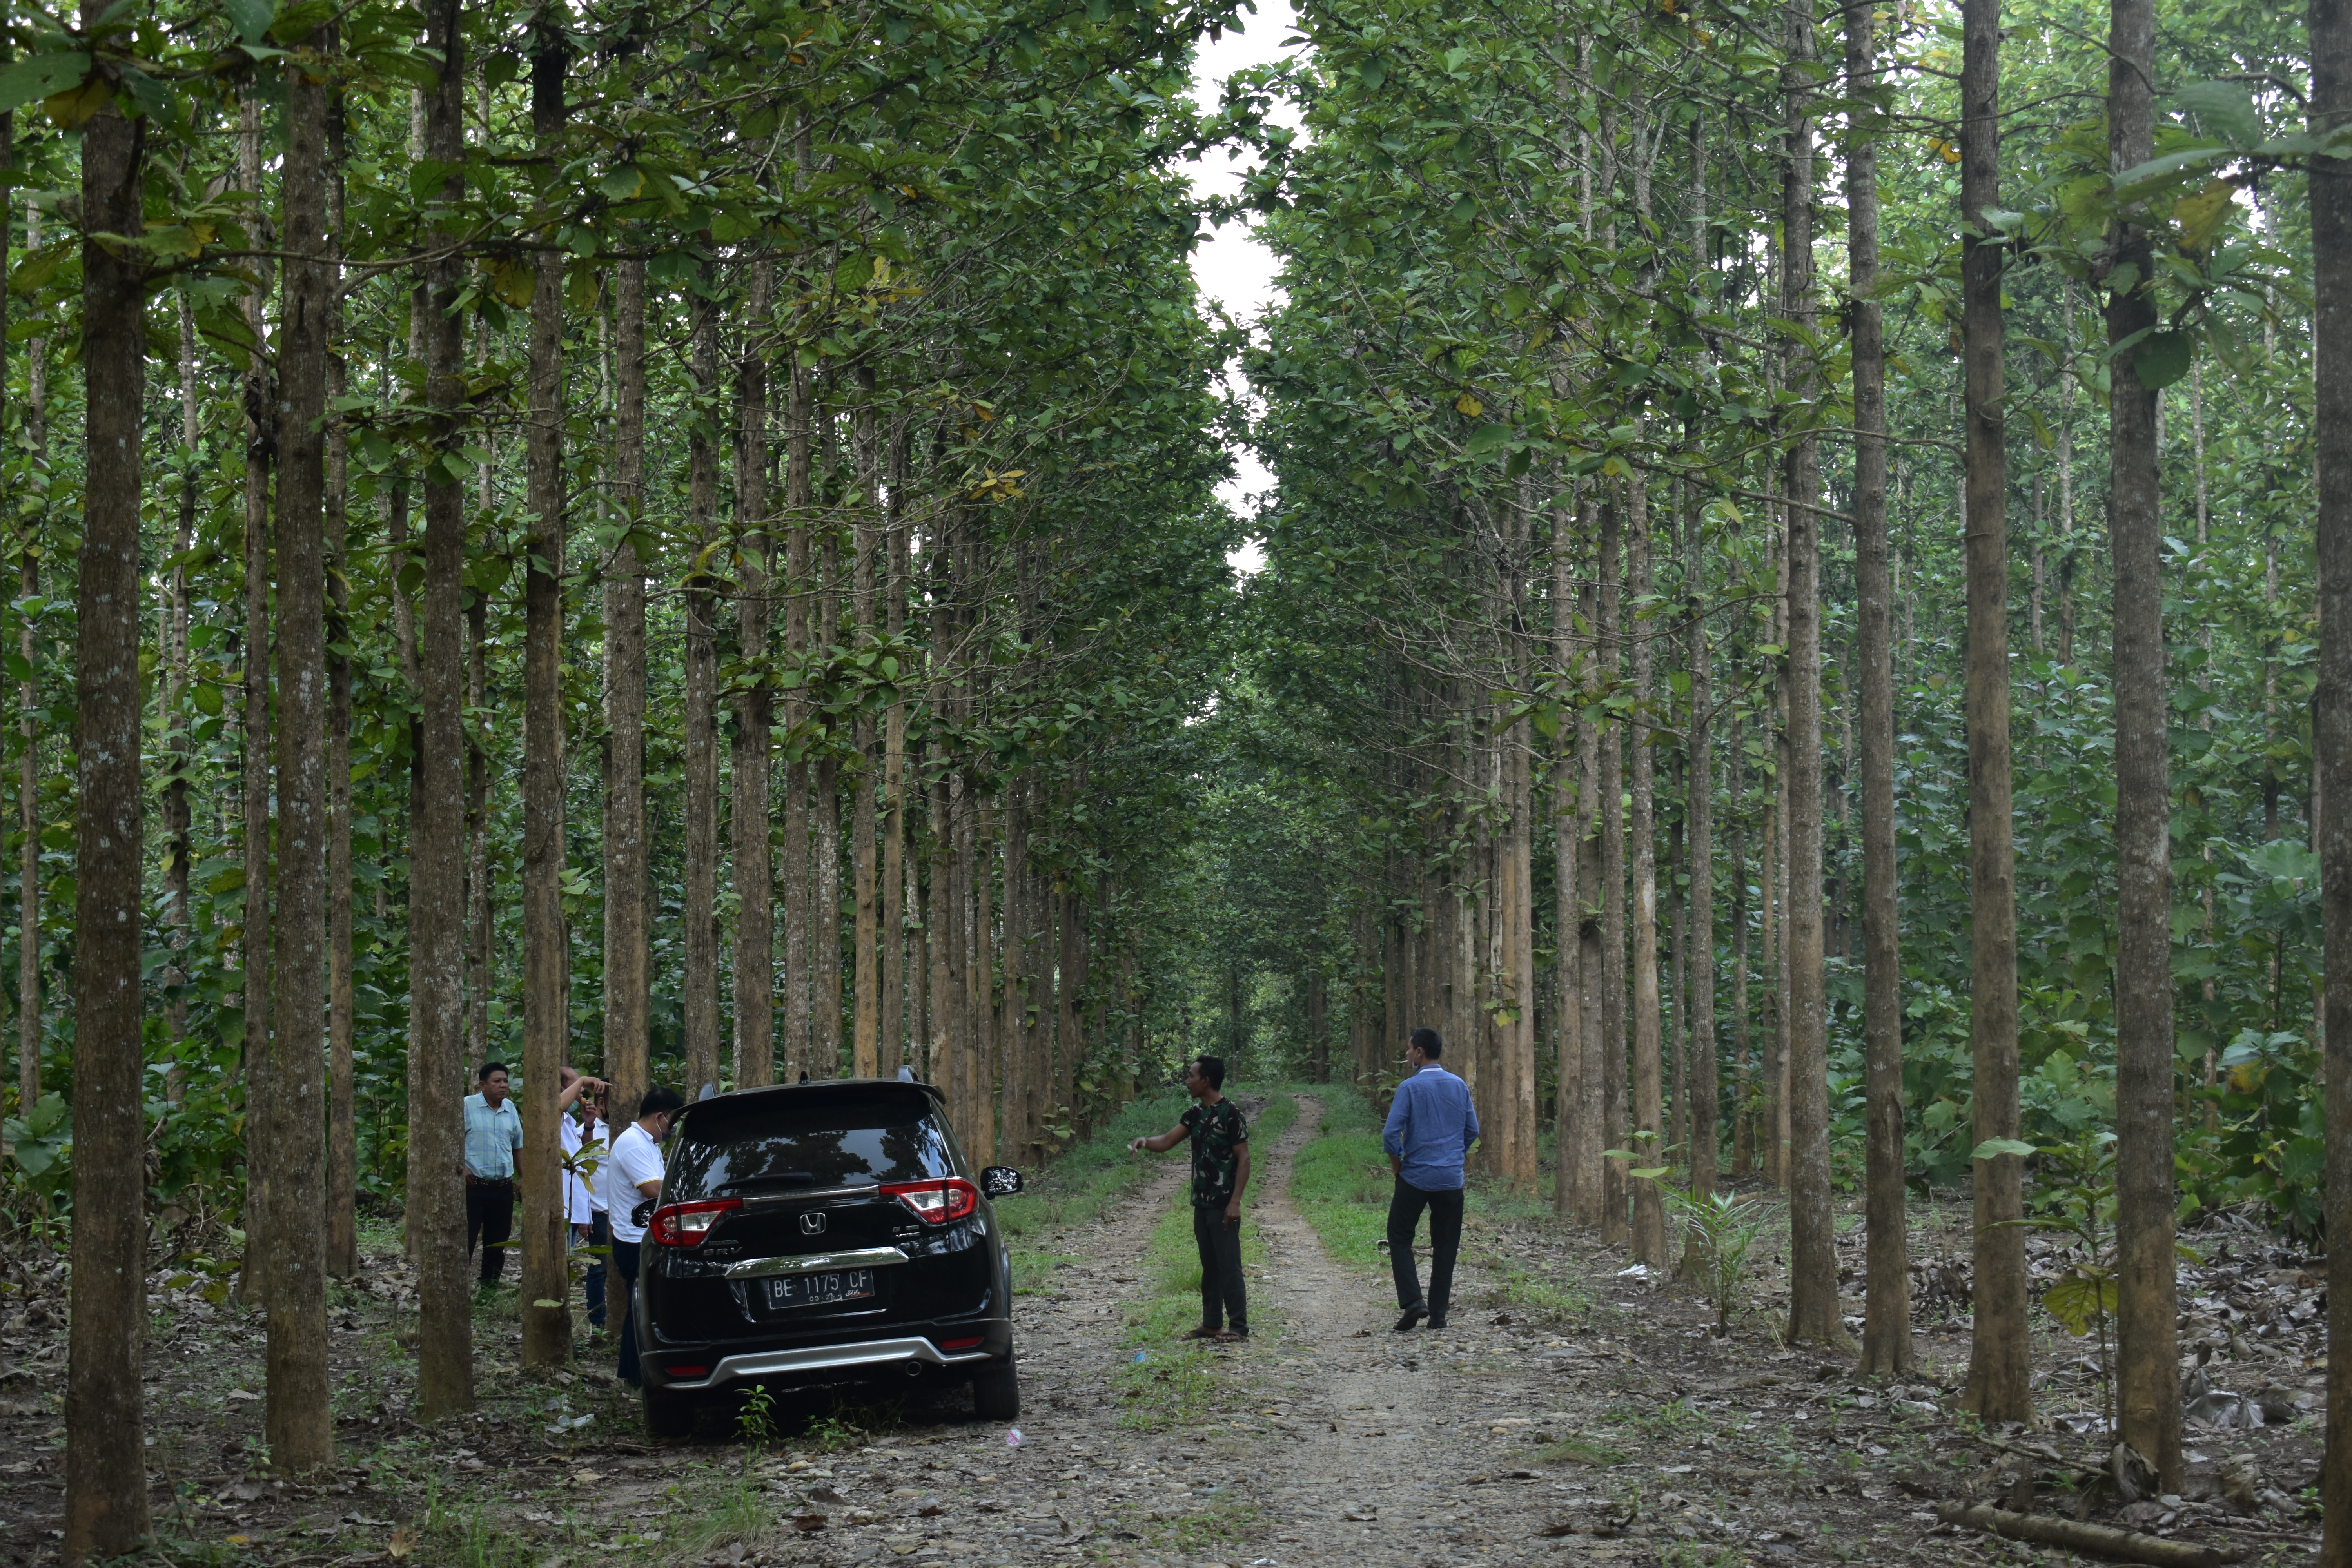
x,y
1220,1170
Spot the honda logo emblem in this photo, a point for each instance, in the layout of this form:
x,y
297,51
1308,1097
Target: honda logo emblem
x,y
813,1223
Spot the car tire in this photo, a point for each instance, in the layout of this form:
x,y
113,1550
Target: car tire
x,y
996,1390
669,1415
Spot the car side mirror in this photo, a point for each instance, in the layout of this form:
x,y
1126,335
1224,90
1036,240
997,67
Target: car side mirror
x,y
643,1214
1000,1181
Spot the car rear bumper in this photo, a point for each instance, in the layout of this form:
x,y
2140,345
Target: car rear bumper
x,y
913,1354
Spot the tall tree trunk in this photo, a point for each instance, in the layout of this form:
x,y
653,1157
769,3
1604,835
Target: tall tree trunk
x,y
894,876
755,924
2330,23
342,1021
1569,806
866,1017
479,916
2147,1379
1614,1221
1886,1344
627,939
178,816
1678,998
296,1420
699,1005
546,956
986,1139
1743,1115
1814,1313
1017,1090
798,960
253,940
1649,1208
29,700
1999,1383
1704,1092
106,1461
437,1062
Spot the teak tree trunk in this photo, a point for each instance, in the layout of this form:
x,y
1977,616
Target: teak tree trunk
x,y
1649,1207
1704,1092
627,957
698,1006
1568,914
106,1460
546,959
2330,23
437,1061
1886,1343
254,949
1814,1313
1999,1383
1614,1220
2147,1376
297,1421
342,1021
29,784
754,867
797,777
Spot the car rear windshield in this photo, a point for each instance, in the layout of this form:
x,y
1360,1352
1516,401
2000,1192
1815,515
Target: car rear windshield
x,y
778,1143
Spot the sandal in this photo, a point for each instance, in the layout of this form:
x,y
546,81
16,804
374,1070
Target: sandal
x,y
1231,1336
1203,1332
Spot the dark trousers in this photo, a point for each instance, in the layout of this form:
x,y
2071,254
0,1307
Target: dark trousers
x,y
1445,1242
489,1222
624,1264
600,1234
1223,1301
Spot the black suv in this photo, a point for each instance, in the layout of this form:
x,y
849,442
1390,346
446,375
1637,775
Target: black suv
x,y
814,1232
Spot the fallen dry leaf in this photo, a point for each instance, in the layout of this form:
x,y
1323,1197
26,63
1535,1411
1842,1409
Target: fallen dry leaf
x,y
403,1542
808,1521
930,1511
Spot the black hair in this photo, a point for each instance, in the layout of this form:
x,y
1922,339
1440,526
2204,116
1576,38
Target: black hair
x,y
1214,1069
658,1099
488,1069
1431,1043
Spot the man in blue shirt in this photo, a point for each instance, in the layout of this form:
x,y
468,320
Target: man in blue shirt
x,y
1430,1129
493,1136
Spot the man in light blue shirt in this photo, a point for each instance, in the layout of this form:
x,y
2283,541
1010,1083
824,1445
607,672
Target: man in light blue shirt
x,y
1431,1126
493,1135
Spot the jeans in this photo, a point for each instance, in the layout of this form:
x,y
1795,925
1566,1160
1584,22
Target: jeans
x,y
624,1264
489,1222
1445,1242
1223,1301
600,1234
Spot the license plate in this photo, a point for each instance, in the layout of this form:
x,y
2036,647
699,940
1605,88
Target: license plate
x,y
820,1289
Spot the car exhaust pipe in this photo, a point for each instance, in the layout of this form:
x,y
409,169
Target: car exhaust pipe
x,y
914,1369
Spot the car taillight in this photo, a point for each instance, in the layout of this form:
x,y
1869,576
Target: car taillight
x,y
936,1202
677,1371
685,1224
971,1343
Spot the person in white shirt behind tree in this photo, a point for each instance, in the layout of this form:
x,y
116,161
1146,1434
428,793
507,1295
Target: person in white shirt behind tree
x,y
631,1174
583,1136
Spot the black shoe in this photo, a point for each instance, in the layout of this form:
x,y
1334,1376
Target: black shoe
x,y
1436,1320
1412,1315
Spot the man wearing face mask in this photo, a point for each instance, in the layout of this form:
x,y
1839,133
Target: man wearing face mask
x,y
631,1174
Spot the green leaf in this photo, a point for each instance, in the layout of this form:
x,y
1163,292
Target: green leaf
x,y
251,18
2224,108
2163,358
1484,439
1993,1148
2079,1299
40,77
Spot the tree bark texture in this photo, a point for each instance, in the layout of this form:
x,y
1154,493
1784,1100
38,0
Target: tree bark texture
x,y
2147,1376
1616,1221
1999,1362
1649,1208
2330,25
437,1062
1813,1313
1886,1343
627,939
296,1418
342,1022
698,1010
754,868
106,1461
253,946
1704,1092
546,957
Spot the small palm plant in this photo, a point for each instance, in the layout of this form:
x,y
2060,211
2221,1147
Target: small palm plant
x,y
1719,1229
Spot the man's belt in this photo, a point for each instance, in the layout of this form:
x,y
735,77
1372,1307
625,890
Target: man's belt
x,y
474,1181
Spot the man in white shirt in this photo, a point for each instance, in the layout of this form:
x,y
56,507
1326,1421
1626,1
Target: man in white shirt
x,y
584,1137
632,1172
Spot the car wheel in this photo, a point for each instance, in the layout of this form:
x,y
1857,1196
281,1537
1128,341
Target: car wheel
x,y
996,1390
669,1415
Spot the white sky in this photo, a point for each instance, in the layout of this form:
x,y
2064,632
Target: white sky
x,y
1230,266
